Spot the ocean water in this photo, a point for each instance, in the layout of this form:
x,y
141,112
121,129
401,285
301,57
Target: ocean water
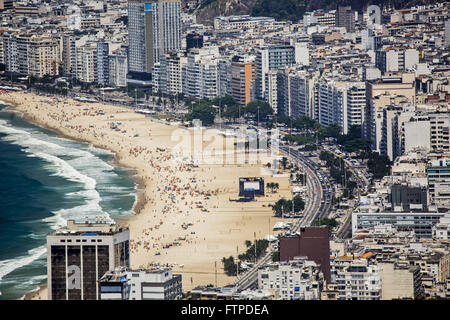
x,y
46,180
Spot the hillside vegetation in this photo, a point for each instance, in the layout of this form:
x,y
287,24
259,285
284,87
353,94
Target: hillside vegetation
x,y
291,10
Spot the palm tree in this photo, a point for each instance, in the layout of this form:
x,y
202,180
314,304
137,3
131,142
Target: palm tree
x,y
284,162
276,185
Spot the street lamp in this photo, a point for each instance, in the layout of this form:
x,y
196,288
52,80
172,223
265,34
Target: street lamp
x,y
258,115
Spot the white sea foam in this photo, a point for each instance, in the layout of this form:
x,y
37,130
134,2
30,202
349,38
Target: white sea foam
x,y
64,169
9,265
56,221
82,166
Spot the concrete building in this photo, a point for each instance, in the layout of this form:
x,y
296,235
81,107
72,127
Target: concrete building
x,y
153,284
6,5
297,279
271,91
103,63
392,60
242,22
118,69
194,40
313,242
241,79
408,197
300,97
320,17
440,128
154,28
441,230
345,17
200,74
421,222
379,94
438,173
68,54
267,59
358,280
79,254
370,41
417,135
341,103
447,33
33,55
86,62
168,79
399,281
302,54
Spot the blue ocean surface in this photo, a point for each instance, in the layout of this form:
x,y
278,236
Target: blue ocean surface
x,y
46,180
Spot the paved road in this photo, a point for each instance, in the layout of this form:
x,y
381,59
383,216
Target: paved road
x,y
314,209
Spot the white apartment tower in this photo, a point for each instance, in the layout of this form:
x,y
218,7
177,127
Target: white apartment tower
x,y
298,279
341,103
154,28
79,254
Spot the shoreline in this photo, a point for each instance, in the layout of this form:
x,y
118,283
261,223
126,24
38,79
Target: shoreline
x,y
140,184
216,231
116,160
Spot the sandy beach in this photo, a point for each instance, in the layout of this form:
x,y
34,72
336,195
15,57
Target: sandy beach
x,y
183,217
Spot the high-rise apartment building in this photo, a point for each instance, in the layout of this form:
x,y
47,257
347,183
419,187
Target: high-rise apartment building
x,y
154,28
118,69
400,281
31,54
200,73
103,63
79,254
379,94
153,284
267,59
313,242
391,60
440,127
301,95
345,17
447,33
6,5
341,103
86,62
241,79
438,173
68,54
358,280
297,279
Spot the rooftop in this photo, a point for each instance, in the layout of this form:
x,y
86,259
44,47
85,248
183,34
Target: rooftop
x,y
100,227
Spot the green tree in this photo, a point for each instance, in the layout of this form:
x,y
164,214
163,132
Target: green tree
x,y
230,267
276,185
284,162
261,108
202,111
330,222
285,206
276,256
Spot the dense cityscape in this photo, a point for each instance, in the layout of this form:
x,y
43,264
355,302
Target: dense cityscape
x,y
303,160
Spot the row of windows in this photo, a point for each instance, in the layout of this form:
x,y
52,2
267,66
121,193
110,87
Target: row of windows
x,y
80,240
